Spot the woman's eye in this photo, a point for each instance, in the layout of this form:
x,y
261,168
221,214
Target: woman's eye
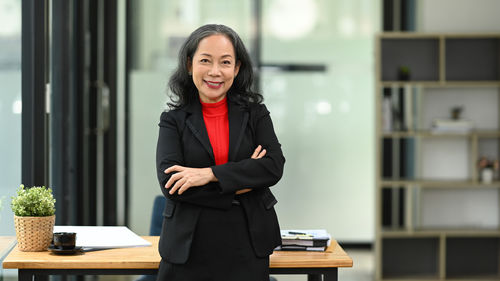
x,y
204,60
226,62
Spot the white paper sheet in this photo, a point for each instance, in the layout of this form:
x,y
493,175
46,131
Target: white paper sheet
x,y
104,237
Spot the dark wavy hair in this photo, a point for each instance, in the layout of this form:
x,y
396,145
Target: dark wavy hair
x,y
183,90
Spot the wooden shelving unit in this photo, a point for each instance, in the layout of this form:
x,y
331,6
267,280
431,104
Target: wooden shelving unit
x,y
412,159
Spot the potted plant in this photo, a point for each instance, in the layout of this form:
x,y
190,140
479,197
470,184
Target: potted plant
x,y
403,73
487,168
34,217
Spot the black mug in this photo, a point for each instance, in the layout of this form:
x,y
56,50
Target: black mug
x,y
64,240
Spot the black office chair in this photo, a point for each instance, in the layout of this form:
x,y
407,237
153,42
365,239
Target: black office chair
x,y
155,229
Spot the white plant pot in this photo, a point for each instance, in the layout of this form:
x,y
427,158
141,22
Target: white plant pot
x,y
487,175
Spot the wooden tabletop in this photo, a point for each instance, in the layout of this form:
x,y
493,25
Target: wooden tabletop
x,y
149,258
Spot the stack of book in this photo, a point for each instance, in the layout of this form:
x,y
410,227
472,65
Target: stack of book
x,y
304,240
445,126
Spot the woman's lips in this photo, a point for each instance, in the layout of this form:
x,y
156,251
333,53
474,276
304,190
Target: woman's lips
x,y
213,85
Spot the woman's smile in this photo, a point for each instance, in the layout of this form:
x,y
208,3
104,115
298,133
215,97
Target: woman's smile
x,y
214,85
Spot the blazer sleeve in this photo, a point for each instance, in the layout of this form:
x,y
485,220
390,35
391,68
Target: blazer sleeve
x,y
254,173
169,153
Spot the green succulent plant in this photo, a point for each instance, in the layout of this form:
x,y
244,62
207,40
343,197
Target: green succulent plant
x,y
36,201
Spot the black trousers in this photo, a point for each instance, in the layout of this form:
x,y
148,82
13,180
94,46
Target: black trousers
x,y
221,251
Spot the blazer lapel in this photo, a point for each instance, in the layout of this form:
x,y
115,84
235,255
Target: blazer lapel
x,y
196,124
238,119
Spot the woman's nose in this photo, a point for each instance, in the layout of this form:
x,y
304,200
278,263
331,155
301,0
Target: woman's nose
x,y
214,70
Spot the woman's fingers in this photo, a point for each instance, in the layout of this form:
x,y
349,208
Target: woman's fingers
x,y
241,191
172,180
256,152
261,154
175,168
178,184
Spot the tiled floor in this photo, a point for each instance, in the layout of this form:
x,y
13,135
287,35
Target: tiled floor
x,y
363,266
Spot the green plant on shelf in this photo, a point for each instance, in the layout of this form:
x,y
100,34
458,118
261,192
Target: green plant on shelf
x,y
36,201
403,73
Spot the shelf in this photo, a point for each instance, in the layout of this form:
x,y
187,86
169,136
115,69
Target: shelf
x,y
436,220
401,233
419,35
472,257
441,84
415,256
420,55
474,59
430,134
437,184
422,277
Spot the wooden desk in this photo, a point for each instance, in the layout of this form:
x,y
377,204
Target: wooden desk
x,y
145,260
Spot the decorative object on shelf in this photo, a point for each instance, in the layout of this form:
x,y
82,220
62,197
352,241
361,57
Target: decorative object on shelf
x,y
34,217
456,111
487,168
403,73
452,126
487,175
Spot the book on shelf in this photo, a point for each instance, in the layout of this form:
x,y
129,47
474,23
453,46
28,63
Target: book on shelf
x,y
304,239
398,109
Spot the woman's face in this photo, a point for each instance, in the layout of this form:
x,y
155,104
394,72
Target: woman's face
x,y
214,67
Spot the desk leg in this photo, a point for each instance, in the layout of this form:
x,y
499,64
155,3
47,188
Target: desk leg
x,y
41,278
314,277
24,275
331,276
30,275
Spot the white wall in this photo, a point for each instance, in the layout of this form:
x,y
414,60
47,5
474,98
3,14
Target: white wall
x,y
458,15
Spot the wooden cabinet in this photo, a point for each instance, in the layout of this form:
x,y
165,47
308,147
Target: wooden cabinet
x,y
437,114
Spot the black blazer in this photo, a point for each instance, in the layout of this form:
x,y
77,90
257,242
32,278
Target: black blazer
x,y
183,140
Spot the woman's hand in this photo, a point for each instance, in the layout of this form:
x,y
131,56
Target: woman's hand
x,y
185,178
257,154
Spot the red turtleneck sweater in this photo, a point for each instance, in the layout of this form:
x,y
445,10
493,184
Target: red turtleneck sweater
x,y
217,123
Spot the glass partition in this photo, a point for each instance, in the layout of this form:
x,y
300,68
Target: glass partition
x,y
10,122
324,119
159,29
10,109
317,80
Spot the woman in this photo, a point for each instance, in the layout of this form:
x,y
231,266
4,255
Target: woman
x,y
217,156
